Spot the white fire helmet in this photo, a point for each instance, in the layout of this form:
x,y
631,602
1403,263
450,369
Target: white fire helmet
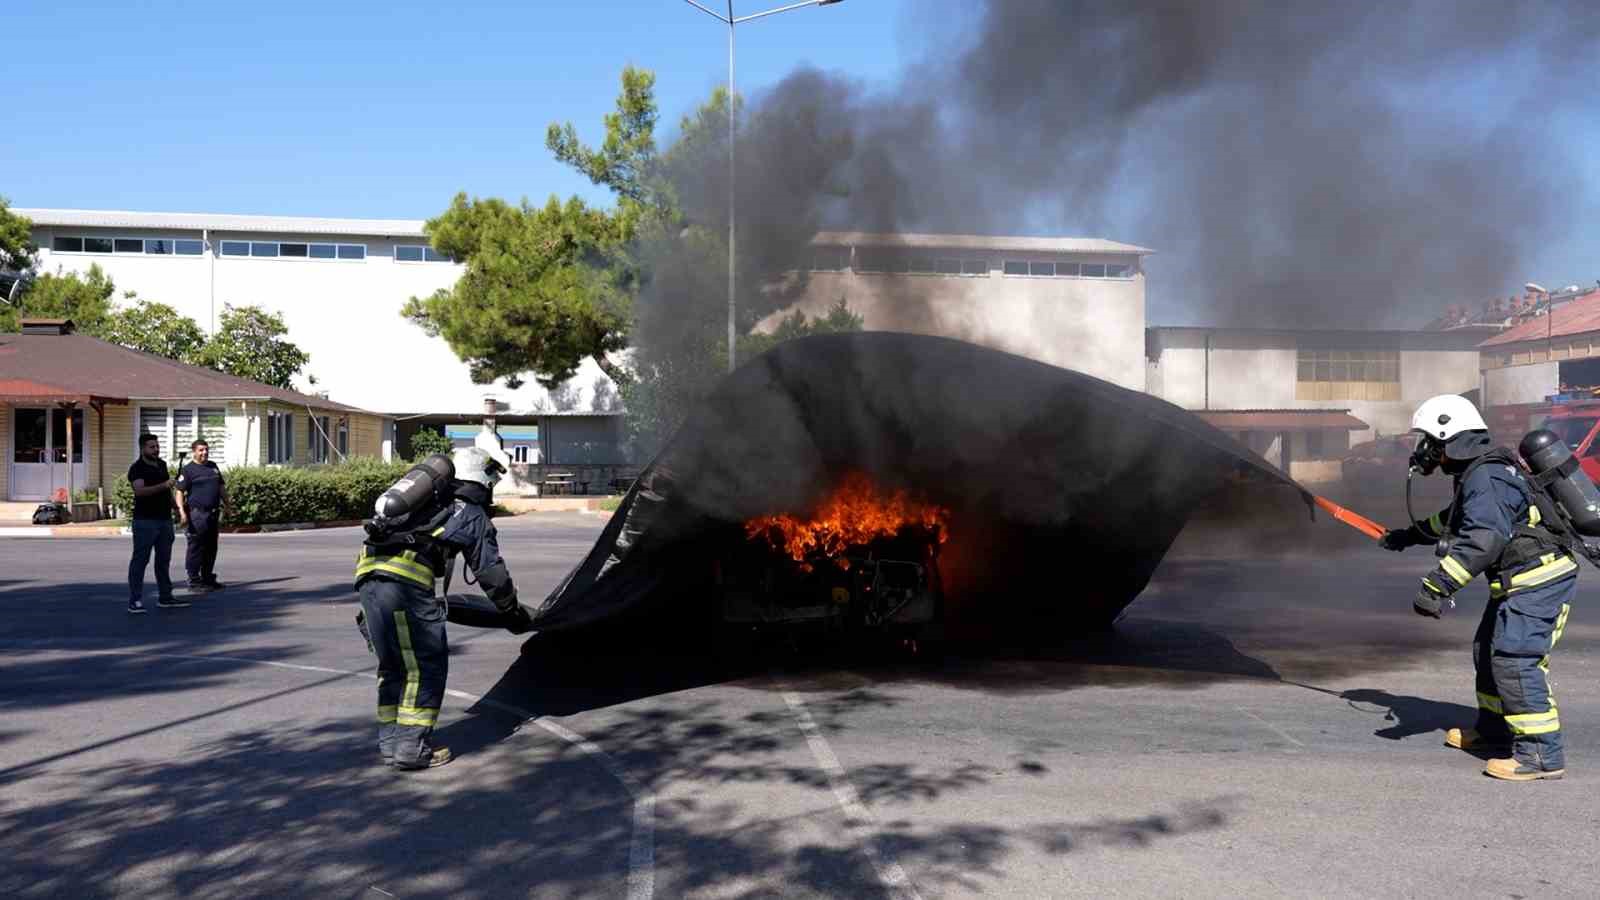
x,y
1447,415
480,465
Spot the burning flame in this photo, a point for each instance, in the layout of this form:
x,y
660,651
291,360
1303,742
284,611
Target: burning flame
x,y
856,513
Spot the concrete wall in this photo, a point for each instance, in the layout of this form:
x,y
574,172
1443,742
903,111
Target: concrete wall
x,y
1521,384
1258,371
345,313
1093,325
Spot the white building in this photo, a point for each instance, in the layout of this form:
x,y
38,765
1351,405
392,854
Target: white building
x,y
1078,303
1274,389
339,284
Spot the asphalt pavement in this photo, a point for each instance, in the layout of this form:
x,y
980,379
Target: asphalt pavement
x,y
1253,727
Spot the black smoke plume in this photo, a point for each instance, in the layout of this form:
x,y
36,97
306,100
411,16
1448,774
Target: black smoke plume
x,y
1293,163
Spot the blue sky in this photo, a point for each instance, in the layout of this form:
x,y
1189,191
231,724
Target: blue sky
x,y
387,110
384,110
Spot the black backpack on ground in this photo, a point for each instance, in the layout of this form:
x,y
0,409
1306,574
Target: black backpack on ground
x,y
51,514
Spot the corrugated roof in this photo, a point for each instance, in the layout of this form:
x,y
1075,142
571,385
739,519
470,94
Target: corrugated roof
x,y
979,242
79,365
1578,316
1271,419
114,218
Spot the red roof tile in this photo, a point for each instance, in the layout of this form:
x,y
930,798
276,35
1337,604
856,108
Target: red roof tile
x,y
1578,316
78,366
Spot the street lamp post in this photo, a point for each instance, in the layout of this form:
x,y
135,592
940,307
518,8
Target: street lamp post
x,y
731,20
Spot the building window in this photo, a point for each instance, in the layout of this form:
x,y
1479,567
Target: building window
x,y
974,267
97,245
1042,268
519,453
830,259
1119,270
1347,375
1013,267
1068,270
189,247
287,250
280,437
156,246
67,245
918,263
128,245
1092,270
317,438
344,437
418,253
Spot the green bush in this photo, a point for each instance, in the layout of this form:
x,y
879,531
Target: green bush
x,y
428,441
267,495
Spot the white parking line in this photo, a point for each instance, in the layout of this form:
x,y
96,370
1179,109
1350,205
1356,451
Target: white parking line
x,y
641,850
1275,729
890,873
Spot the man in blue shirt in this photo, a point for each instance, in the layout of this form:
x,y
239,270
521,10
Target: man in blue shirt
x,y
201,495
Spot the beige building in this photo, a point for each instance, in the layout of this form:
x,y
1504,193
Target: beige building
x,y
70,396
1274,389
1078,303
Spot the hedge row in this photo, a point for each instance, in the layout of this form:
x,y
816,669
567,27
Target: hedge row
x,y
270,495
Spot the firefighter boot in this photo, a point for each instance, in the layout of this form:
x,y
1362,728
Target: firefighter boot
x,y
1511,769
430,759
1470,739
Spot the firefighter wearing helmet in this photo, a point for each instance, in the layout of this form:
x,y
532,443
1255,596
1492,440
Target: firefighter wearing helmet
x,y
440,509
1493,527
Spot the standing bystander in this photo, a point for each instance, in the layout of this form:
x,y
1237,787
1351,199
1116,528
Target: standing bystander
x,y
152,525
201,496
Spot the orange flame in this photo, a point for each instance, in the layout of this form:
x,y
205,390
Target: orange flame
x,y
856,513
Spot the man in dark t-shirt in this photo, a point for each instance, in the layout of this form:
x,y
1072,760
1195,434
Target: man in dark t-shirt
x,y
152,525
201,494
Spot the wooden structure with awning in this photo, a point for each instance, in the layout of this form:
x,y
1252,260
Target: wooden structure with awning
x,y
1306,444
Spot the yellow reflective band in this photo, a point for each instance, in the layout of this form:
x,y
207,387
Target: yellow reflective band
x,y
1490,702
388,568
1533,515
387,714
1455,570
1561,625
438,531
1553,566
413,671
1428,583
1436,525
1534,723
414,715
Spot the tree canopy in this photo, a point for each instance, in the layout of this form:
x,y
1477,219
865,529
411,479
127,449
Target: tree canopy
x,y
249,343
544,288
16,240
86,300
155,328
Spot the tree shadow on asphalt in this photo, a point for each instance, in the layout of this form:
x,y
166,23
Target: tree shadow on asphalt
x,y
307,811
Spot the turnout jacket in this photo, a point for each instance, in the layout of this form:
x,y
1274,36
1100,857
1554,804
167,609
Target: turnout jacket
x,y
1492,527
427,552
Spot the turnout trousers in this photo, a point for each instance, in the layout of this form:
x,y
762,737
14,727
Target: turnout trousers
x,y
407,629
1511,653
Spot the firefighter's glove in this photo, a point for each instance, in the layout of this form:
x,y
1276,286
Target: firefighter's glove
x,y
1431,601
1396,539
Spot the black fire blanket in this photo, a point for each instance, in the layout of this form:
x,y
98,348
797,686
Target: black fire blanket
x,y
1064,491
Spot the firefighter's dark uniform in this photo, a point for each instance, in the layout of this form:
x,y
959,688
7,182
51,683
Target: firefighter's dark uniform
x,y
1493,527
406,622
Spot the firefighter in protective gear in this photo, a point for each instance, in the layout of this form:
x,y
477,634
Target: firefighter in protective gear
x,y
1492,527
405,622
